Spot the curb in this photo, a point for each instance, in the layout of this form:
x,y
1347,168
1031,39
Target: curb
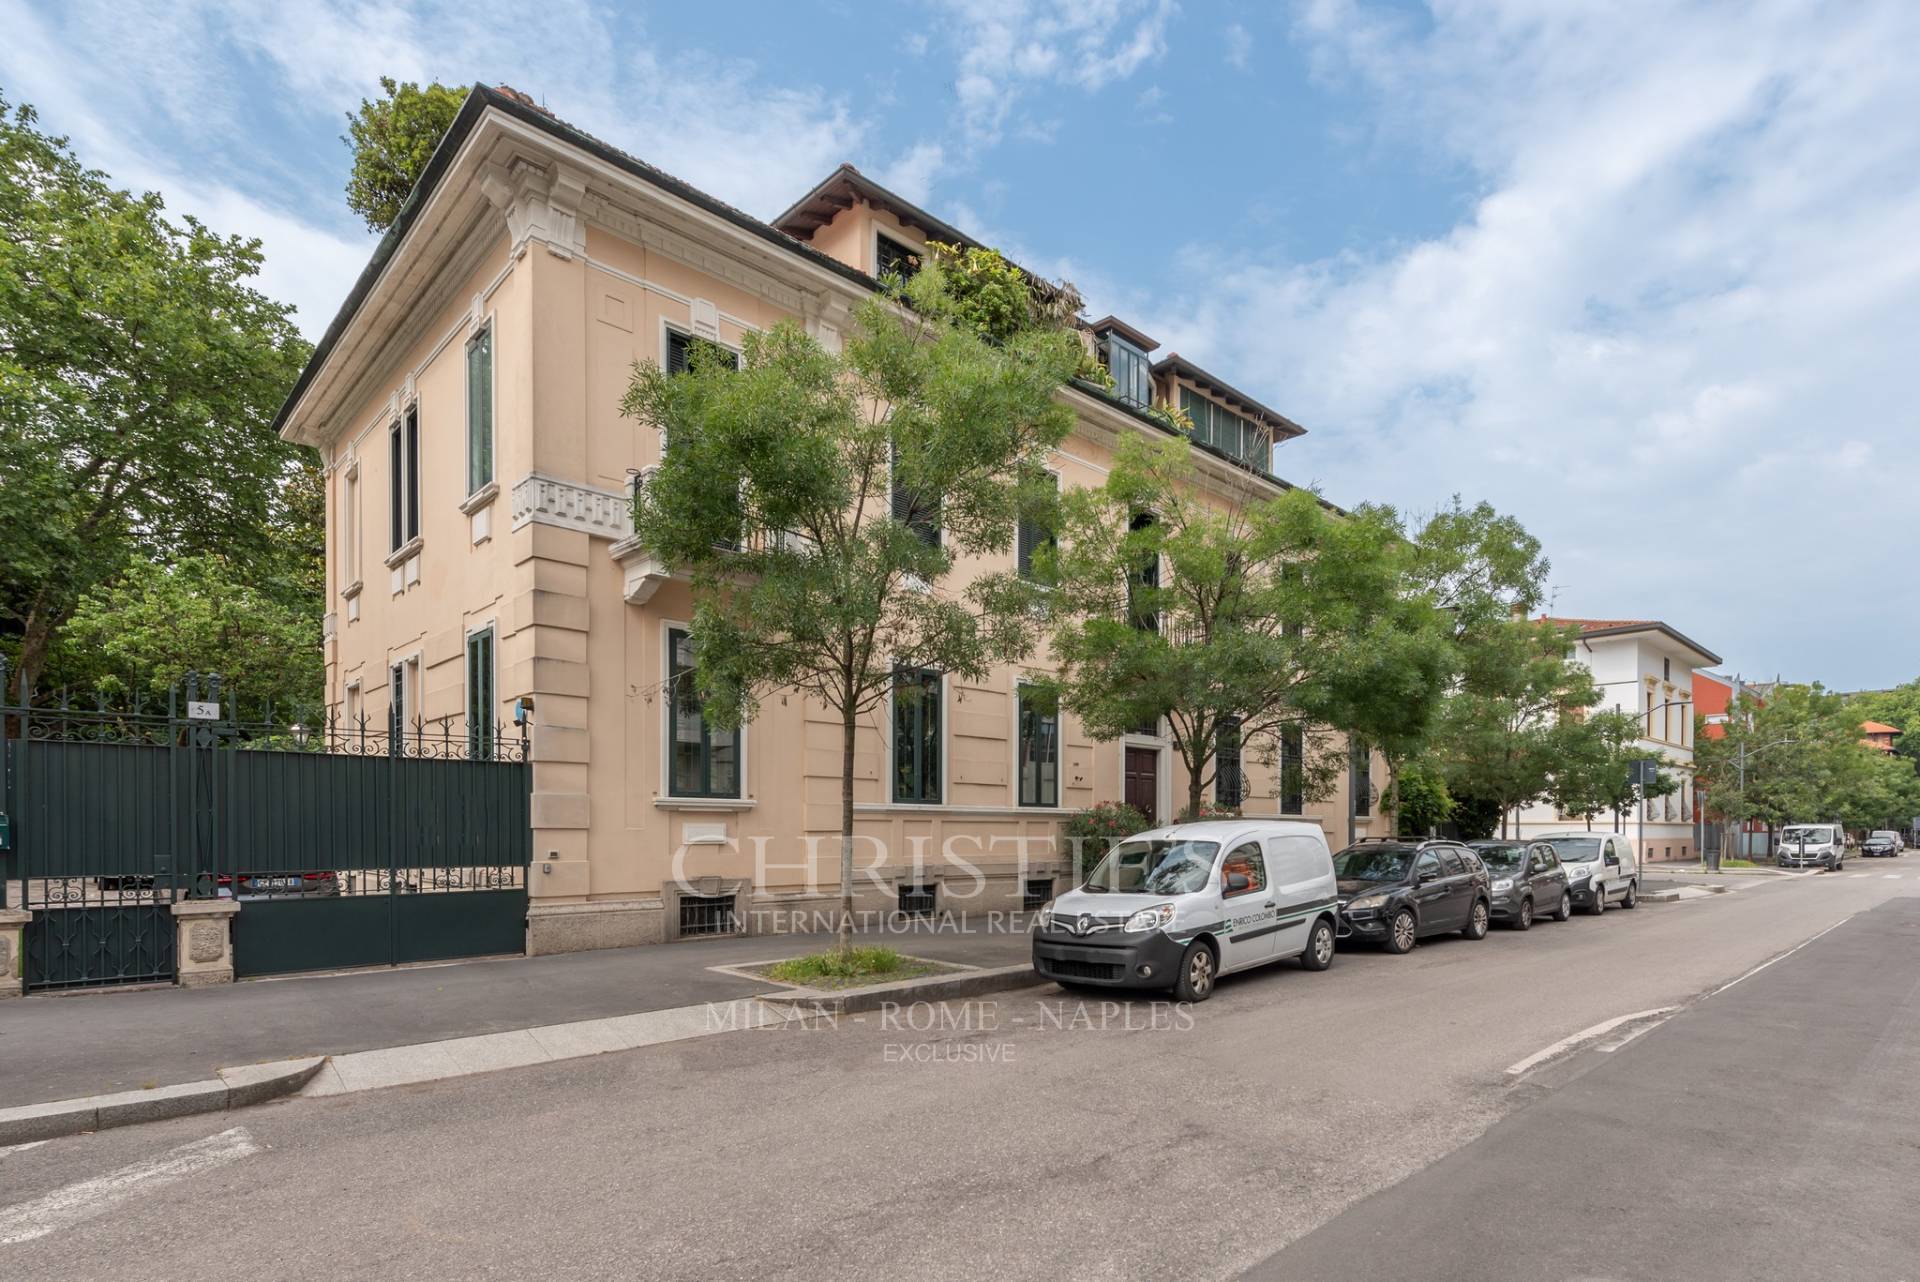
x,y
933,988
233,1088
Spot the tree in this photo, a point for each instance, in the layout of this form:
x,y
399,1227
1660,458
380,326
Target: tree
x,y
820,500
1234,615
1499,736
1592,765
393,137
139,374
1425,805
159,622
1466,571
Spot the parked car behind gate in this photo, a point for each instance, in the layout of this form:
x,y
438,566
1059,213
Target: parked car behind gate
x,y
1528,881
1601,868
1399,892
1178,907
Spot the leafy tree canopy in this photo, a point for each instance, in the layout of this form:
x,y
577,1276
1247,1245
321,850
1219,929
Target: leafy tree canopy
x,y
393,137
139,375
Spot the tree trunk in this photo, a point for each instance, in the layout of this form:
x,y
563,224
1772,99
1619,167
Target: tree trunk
x,y
34,642
848,728
1193,793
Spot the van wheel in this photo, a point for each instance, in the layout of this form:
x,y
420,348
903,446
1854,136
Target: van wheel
x,y
1599,904
1633,896
1319,954
1404,933
1198,970
1524,919
1565,911
1477,919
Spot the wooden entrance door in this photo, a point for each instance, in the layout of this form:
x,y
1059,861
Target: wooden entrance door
x,y
1143,781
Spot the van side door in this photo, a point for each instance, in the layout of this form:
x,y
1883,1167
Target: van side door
x,y
1302,886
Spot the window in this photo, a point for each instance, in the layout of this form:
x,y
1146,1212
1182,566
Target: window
x,y
916,735
917,901
1132,373
1039,748
1146,582
1360,770
1426,866
1293,778
1451,865
1031,538
404,692
684,348
351,713
1232,434
892,258
350,530
1229,785
918,512
403,480
1246,860
480,703
1036,893
709,915
702,761
480,410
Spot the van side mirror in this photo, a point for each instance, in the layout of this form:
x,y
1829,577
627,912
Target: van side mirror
x,y
1237,882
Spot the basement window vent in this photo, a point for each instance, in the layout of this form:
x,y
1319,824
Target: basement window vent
x,y
1039,890
708,915
916,901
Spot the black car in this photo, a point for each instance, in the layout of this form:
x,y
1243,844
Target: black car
x,y
1528,881
1397,892
1880,845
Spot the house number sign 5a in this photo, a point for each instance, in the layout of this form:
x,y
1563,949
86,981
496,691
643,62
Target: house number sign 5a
x,y
197,711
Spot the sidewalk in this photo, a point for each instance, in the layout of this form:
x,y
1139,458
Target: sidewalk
x,y
62,1046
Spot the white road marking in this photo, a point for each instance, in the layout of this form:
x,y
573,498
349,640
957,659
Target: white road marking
x,y
1585,1035
1858,875
1782,957
21,1148
88,1198
1889,876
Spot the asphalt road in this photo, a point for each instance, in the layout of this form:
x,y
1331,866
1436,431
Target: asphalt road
x,y
1647,1166
1028,1136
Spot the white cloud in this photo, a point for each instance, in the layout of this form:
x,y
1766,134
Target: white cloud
x,y
1675,333
1239,46
913,174
1009,46
147,86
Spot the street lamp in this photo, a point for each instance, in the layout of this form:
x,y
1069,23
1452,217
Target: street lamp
x,y
299,735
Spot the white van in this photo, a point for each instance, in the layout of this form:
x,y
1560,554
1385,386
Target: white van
x,y
1178,907
1812,845
1602,868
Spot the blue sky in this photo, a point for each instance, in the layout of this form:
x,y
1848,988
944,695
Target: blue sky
x,y
1645,274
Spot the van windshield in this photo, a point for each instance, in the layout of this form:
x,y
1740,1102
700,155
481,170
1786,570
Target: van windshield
x,y
1575,850
1155,867
1814,833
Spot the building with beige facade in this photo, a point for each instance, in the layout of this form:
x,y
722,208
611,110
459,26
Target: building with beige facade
x,y
466,405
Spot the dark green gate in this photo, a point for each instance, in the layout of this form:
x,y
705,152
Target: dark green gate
x,y
372,857
344,846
